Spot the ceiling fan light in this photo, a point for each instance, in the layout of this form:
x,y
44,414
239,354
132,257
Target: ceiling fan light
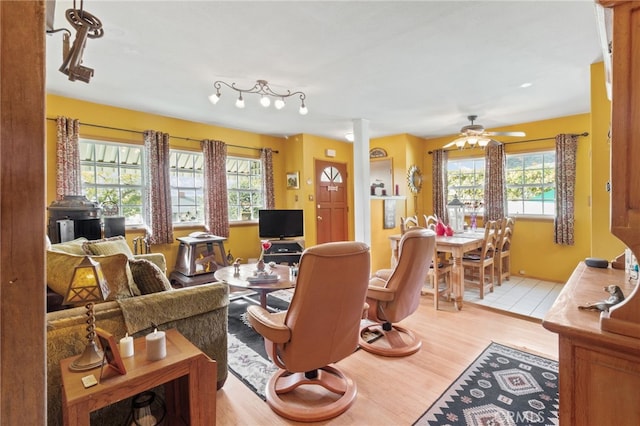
x,y
460,143
483,142
240,102
265,101
349,136
214,98
472,141
279,103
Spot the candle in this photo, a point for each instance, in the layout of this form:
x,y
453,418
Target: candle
x,y
126,346
156,345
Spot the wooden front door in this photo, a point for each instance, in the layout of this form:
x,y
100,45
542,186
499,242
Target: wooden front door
x,y
331,201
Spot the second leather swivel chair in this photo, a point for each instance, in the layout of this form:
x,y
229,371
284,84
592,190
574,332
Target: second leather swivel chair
x,y
320,328
393,299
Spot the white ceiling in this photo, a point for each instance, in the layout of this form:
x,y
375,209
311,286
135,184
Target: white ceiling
x,y
417,67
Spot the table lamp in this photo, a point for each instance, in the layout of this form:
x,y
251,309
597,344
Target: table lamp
x,y
87,285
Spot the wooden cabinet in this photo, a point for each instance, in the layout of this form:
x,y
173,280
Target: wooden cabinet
x,y
599,370
625,151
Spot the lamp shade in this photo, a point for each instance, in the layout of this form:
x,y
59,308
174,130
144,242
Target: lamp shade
x,y
456,214
87,284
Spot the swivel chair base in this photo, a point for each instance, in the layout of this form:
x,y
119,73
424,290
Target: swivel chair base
x,y
329,377
394,342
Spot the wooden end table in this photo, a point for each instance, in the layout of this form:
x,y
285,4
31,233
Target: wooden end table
x,y
185,370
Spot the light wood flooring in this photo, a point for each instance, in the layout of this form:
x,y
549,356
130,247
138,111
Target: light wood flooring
x,y
396,391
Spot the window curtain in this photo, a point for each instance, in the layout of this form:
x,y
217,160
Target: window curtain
x,y
68,157
158,216
266,156
566,148
495,187
216,207
440,157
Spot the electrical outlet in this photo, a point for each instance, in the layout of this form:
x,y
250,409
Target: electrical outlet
x,y
521,271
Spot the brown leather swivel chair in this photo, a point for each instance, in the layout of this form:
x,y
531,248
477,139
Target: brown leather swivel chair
x,y
397,297
320,328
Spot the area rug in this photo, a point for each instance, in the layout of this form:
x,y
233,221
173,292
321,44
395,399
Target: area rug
x,y
503,386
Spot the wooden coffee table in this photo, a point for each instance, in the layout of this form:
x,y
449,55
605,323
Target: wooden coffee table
x,y
227,274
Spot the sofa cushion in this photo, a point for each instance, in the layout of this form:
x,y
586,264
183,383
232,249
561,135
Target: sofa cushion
x,y
60,267
108,246
148,276
71,247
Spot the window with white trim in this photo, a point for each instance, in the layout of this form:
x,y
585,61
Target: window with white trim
x,y
531,183
187,180
245,188
465,179
112,176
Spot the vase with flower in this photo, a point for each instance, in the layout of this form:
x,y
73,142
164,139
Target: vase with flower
x,y
474,206
265,245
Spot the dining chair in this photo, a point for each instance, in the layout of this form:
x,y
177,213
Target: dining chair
x,y
430,221
480,264
407,223
502,260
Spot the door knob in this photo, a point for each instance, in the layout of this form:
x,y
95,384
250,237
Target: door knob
x,y
319,217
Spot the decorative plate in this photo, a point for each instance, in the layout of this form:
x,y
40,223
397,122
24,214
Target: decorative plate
x,y
377,153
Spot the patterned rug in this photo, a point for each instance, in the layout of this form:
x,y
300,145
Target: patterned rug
x,y
503,386
246,357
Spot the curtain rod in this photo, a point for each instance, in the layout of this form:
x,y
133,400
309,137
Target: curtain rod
x,y
529,140
171,136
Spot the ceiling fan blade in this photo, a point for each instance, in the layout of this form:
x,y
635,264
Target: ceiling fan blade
x,y
518,134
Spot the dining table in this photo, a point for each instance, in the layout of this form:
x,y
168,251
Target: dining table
x,y
457,244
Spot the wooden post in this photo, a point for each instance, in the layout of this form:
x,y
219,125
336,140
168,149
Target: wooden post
x,y
22,213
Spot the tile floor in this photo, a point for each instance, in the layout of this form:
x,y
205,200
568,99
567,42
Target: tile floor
x,y
525,296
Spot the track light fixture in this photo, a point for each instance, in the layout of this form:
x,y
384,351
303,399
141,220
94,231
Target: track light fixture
x,y
261,88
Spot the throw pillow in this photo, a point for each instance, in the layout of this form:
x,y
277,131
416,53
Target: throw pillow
x,y
60,267
71,247
108,246
148,277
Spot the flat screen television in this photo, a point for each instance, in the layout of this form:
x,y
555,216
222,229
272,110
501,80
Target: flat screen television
x,y
280,224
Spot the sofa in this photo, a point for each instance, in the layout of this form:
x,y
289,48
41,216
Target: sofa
x,y
199,313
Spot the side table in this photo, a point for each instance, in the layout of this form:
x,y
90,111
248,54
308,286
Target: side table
x,y
186,371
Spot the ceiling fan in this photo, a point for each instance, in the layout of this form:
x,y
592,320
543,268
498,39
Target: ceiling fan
x,y
475,135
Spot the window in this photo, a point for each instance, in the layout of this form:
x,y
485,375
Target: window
x,y
465,179
112,176
187,197
245,188
531,183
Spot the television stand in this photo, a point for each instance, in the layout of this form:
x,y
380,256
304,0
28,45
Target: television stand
x,y
284,251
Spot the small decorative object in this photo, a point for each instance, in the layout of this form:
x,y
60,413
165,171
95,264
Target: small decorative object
x,y
455,209
377,153
265,245
147,409
440,228
474,221
473,207
414,179
615,296
236,266
126,346
156,345
293,180
87,285
448,231
112,358
260,265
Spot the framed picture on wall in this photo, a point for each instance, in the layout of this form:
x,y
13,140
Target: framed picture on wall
x,y
293,180
389,214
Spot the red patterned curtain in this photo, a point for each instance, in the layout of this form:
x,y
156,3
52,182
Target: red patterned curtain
x,y
266,155
158,217
68,157
566,148
440,157
495,187
216,211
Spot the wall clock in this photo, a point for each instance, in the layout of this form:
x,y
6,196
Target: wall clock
x,y
414,179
